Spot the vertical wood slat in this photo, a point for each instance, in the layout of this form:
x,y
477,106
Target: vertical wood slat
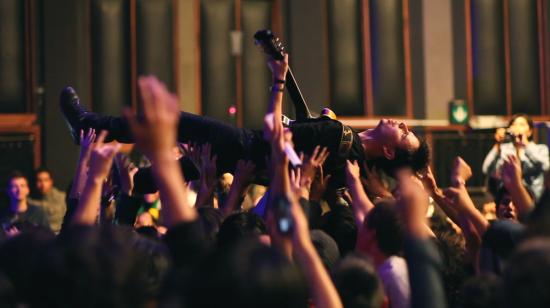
x,y
175,47
469,60
30,48
239,68
367,63
507,65
407,59
198,57
542,35
133,55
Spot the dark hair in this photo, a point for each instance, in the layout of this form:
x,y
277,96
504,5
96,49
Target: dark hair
x,y
357,283
417,159
326,248
43,169
481,291
210,220
15,174
527,118
247,274
19,256
240,225
91,267
526,282
384,220
339,223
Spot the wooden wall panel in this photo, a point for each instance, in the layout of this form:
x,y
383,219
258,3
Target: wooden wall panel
x,y
110,55
488,57
388,57
217,63
345,57
524,57
155,40
12,57
256,75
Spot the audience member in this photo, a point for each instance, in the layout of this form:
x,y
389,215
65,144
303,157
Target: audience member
x,y
51,199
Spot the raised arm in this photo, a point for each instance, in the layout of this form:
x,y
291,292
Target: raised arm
x,y
101,160
156,134
512,180
361,202
86,141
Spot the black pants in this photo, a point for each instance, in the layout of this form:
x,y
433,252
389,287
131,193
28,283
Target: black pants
x,y
228,142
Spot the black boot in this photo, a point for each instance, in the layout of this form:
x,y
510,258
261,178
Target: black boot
x,y
78,118
73,112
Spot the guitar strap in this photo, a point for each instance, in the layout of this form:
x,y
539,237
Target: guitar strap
x,y
345,141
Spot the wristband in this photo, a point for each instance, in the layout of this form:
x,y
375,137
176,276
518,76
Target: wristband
x,y
277,89
279,81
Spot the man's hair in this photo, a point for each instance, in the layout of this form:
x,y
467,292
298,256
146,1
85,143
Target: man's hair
x,y
247,274
417,160
210,220
526,281
43,169
326,248
482,291
357,283
15,174
339,223
240,225
384,220
93,267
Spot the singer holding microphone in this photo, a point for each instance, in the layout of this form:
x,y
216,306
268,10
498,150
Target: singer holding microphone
x,y
516,140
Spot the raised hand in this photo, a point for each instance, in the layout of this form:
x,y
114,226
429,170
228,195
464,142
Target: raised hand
x,y
208,165
101,158
87,140
319,185
461,172
511,172
126,170
313,163
278,68
155,131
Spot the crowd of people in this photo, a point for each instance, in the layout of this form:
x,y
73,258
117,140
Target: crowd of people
x,y
208,215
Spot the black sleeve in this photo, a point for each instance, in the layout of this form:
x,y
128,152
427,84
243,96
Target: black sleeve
x,y
502,237
126,209
186,243
424,263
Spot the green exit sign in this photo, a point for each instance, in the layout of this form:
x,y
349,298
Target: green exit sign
x,y
458,112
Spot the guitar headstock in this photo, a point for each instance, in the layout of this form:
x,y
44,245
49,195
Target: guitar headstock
x,y
270,43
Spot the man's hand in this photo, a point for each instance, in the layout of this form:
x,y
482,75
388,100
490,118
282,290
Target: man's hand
x,y
461,172
511,172
278,68
312,164
155,131
412,204
126,170
244,173
208,166
101,158
319,185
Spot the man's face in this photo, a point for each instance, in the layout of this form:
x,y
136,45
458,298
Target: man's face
x,y
506,209
396,134
44,182
18,189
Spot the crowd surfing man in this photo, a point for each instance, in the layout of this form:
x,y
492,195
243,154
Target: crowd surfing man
x,y
388,146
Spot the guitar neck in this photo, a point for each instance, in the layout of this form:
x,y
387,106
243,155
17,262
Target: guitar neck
x,y
302,112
